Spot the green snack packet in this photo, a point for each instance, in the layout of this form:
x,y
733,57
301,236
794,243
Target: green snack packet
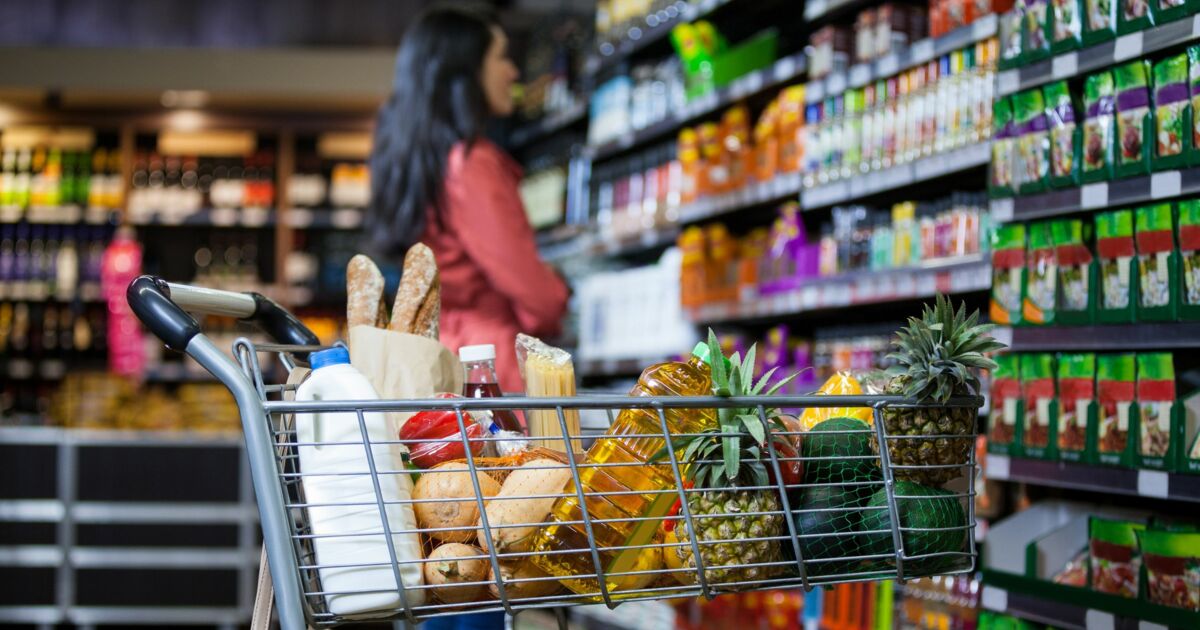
x,y
1158,290
1076,272
1156,409
1041,409
1033,142
1005,424
1166,10
1008,275
1114,565
1041,279
1035,42
1118,267
1011,26
1076,405
1004,145
1100,21
1188,237
1134,123
1099,120
1066,25
1065,135
1172,118
1193,55
1134,15
1172,560
1116,389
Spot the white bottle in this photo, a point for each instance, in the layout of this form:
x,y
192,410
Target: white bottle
x,y
333,378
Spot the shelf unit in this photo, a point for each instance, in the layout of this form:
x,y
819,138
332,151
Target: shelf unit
x,y
1097,196
1141,336
1076,608
532,132
1102,479
73,504
657,27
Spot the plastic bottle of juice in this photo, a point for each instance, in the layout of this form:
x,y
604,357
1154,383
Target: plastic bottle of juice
x,y
632,439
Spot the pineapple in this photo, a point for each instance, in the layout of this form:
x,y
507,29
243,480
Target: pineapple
x,y
935,356
721,460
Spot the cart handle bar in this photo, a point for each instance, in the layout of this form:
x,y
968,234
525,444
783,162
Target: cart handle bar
x,y
160,305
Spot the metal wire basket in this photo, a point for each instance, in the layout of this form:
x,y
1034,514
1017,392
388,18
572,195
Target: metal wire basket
x,y
851,518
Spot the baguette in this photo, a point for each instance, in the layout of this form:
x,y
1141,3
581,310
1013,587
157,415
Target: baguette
x,y
364,292
420,273
431,309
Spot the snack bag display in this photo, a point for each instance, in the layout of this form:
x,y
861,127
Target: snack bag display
x,y
1188,237
1134,119
1039,438
1156,409
1035,39
1007,405
1012,23
1172,560
1166,10
1172,115
1008,275
1004,147
1099,122
1158,263
1100,21
1118,267
1116,389
1076,405
1065,135
1033,142
1134,15
766,143
1115,561
1066,25
1041,279
1076,272
1193,55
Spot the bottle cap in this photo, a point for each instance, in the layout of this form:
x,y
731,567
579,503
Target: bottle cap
x,y
482,352
332,356
701,352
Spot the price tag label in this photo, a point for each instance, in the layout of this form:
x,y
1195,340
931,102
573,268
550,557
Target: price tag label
x,y
1099,620
835,84
1149,625
1165,184
1008,82
811,298
926,284
223,216
887,66
860,74
785,69
814,8
944,281
815,91
1002,210
1094,195
299,217
1128,46
795,301
1196,26
922,51
993,598
997,467
1064,66
754,82
1153,483
984,27
346,218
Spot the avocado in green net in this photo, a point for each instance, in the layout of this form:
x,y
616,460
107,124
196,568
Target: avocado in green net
x,y
817,529
918,507
848,442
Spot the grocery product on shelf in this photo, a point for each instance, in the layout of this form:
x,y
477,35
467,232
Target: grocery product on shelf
x,y
172,187
1066,25
1077,281
833,50
1002,182
1041,278
340,528
1172,117
1007,404
1033,142
122,262
1135,123
1099,127
1041,408
1076,396
1189,243
1172,575
1156,404
1134,15
1116,560
1065,143
1158,263
1116,251
1116,388
53,181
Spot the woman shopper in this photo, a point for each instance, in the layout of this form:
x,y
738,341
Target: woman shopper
x,y
435,179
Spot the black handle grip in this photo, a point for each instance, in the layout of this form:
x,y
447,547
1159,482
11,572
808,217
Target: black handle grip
x,y
150,299
281,325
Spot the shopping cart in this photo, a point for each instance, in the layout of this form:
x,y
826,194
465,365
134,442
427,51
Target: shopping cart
x,y
812,538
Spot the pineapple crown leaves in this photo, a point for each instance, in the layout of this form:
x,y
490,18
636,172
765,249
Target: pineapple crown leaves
x,y
732,453
938,352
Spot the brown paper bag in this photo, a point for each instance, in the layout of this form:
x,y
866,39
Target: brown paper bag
x,y
400,365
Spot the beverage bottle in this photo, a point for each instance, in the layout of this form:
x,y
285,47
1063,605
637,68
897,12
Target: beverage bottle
x,y
634,437
343,514
479,381
121,263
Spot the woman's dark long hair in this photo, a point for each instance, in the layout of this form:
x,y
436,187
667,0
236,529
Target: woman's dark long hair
x,y
436,102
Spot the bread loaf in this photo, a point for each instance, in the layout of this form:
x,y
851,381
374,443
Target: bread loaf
x,y
364,292
419,275
430,311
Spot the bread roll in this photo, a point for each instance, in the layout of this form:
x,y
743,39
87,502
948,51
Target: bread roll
x,y
364,292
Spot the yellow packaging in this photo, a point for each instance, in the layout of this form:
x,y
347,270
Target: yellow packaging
x,y
840,384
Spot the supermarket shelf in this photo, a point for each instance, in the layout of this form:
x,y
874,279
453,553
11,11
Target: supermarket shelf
x,y
548,126
324,218
1099,56
1102,479
212,217
599,368
1114,194
177,373
1142,336
103,512
783,71
780,187
963,275
58,215
921,51
117,437
925,169
820,9
25,369
1073,607
657,28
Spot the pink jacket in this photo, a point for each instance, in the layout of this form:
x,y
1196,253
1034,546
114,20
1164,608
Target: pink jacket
x,y
494,285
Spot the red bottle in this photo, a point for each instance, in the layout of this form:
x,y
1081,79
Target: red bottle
x,y
479,367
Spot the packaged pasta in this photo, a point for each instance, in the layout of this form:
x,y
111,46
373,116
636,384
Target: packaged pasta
x,y
549,372
1133,118
1172,120
1099,107
1065,135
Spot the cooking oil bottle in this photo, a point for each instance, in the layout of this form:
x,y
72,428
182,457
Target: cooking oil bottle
x,y
618,463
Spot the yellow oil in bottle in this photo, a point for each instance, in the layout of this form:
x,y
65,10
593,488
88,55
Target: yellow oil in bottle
x,y
617,463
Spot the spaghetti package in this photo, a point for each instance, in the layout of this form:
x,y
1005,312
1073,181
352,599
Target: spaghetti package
x,y
549,372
